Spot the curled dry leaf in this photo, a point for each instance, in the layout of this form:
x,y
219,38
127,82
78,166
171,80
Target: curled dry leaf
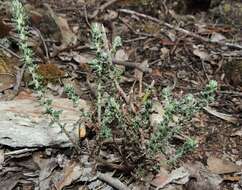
x,y
223,116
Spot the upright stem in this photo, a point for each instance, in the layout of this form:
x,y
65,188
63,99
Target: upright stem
x,y
99,104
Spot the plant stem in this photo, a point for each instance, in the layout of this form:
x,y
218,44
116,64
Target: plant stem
x,y
99,108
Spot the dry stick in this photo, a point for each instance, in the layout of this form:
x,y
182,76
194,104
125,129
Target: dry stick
x,y
9,51
75,144
125,97
21,151
116,183
115,61
43,41
137,33
86,15
233,93
19,78
102,7
232,45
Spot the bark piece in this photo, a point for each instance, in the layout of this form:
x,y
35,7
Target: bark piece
x,y
23,124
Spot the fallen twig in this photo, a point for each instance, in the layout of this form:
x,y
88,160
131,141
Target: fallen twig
x,y
232,45
21,151
9,51
232,93
114,182
122,93
43,42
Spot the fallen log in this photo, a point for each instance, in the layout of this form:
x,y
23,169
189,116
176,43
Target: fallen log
x,y
23,124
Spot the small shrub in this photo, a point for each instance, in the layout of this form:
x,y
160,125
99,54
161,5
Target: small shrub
x,y
177,113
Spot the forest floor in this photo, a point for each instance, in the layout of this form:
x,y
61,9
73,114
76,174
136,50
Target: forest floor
x,y
164,44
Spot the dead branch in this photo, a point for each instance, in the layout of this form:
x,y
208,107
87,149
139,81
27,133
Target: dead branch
x,y
207,40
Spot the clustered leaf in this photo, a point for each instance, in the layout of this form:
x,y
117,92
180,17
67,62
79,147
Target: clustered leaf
x,y
182,110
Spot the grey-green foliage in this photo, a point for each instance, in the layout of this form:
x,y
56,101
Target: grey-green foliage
x,y
71,94
20,19
108,107
142,118
112,113
176,114
102,64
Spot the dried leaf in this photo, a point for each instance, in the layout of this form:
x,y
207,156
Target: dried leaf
x,y
82,132
7,72
72,171
202,179
68,37
201,54
161,178
237,133
178,176
217,37
47,167
223,116
221,166
6,81
121,55
4,28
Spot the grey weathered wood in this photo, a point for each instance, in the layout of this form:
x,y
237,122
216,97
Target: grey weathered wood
x,y
22,123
